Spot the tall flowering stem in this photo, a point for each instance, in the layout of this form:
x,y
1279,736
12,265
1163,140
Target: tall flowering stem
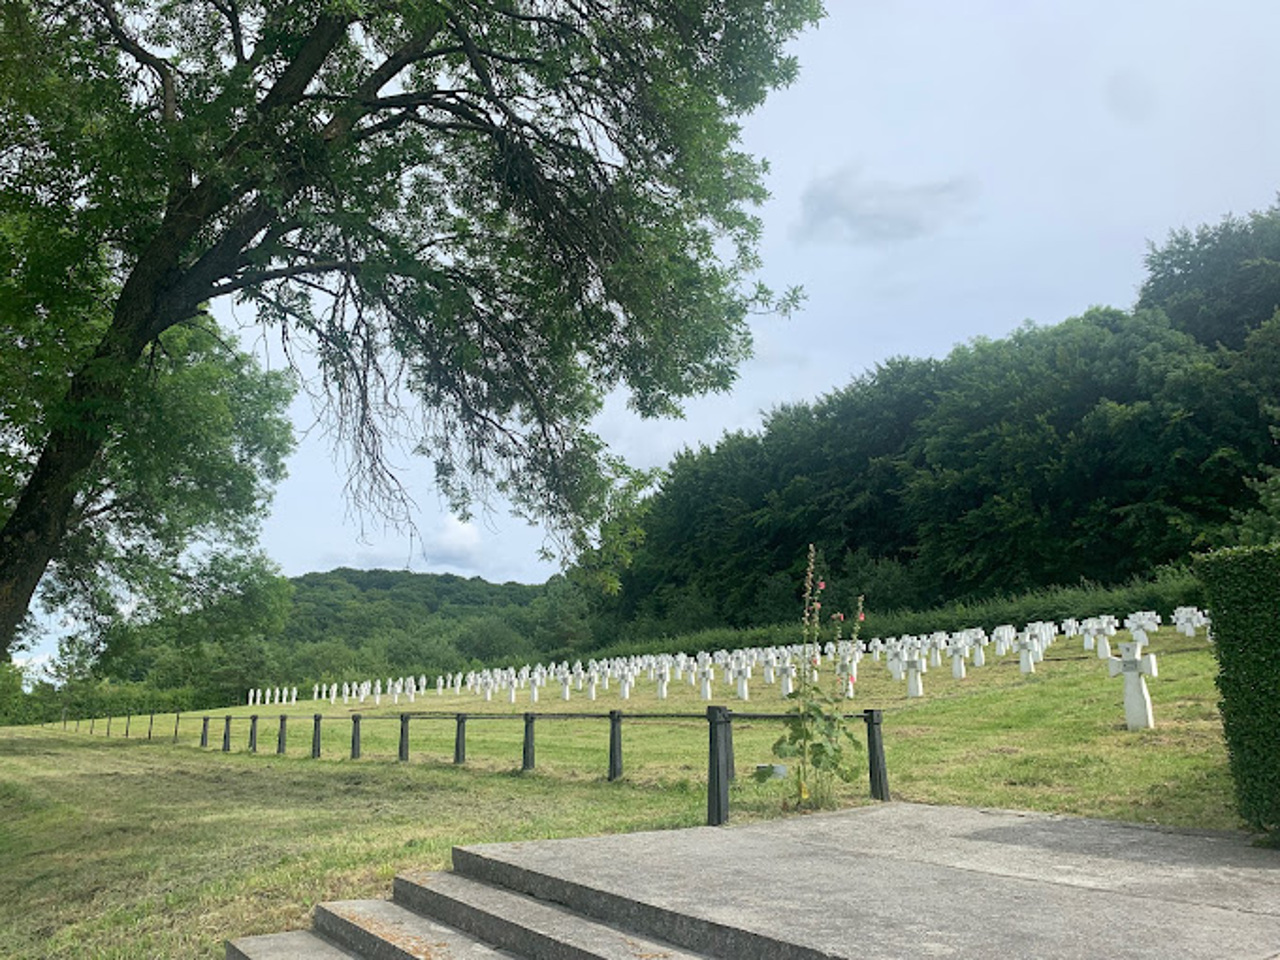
x,y
817,739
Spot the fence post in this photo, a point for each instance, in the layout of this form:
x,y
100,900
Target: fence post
x,y
151,724
875,755
719,725
527,758
460,740
615,745
92,721
64,718
281,736
315,738
728,751
226,735
108,724
253,733
355,736
77,724
404,738
128,721
177,718
204,732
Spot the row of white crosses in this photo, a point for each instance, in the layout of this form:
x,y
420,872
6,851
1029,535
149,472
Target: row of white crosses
x,y
408,687
907,657
265,696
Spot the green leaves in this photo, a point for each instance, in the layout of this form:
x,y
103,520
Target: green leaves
x,y
183,482
1219,281
816,735
501,211
1242,587
1093,450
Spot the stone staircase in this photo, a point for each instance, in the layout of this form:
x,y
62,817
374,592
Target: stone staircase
x,y
487,908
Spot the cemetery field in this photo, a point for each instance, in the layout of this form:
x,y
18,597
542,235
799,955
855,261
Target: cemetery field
x,y
137,848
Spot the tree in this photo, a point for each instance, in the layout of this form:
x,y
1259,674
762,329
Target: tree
x,y
1260,525
168,516
223,600
1218,282
178,488
1093,449
508,208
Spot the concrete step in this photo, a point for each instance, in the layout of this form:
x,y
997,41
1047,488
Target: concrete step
x,y
382,930
704,937
536,929
294,945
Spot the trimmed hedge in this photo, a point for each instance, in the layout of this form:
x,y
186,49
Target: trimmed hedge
x,y
1169,588
1242,585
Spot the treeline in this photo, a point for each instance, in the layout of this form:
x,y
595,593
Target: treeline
x,y
1015,479
322,627
350,624
1094,450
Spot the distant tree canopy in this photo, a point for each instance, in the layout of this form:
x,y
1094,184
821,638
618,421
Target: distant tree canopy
x,y
344,625
501,210
1094,449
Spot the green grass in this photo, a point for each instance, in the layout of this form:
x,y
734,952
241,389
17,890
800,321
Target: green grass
x,y
129,848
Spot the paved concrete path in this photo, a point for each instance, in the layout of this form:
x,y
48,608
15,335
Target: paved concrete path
x,y
905,880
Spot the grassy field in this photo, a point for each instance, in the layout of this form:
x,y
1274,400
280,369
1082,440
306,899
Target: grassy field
x,y
136,848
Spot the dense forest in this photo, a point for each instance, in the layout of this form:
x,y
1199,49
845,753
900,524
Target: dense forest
x,y
1095,451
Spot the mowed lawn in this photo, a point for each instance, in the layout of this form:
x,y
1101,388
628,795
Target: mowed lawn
x,y
135,848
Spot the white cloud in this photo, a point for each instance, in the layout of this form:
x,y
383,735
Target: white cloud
x,y
845,207
454,544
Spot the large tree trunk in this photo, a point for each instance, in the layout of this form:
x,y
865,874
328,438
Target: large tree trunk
x,y
159,292
32,534
148,304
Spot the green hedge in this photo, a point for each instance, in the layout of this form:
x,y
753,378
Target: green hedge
x,y
1242,585
1168,589
1165,591
83,699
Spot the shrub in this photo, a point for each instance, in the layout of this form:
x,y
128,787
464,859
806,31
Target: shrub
x,y
1243,589
1169,588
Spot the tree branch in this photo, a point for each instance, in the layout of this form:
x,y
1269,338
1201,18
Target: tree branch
x,y
293,82
284,273
231,12
158,65
416,49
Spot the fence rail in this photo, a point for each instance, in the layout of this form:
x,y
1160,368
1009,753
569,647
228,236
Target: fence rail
x,y
720,757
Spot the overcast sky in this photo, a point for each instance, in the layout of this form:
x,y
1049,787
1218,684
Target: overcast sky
x,y
940,171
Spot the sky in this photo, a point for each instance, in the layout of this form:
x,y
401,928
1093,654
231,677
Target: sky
x,y
938,172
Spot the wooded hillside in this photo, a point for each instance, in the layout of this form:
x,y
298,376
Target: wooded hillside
x,y
1095,449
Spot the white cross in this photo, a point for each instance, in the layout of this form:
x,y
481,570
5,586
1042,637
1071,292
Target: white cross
x,y
1136,667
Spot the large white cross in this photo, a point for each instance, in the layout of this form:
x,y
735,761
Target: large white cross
x,y
1136,667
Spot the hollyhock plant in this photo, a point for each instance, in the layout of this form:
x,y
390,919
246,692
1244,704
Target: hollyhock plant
x,y
817,738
